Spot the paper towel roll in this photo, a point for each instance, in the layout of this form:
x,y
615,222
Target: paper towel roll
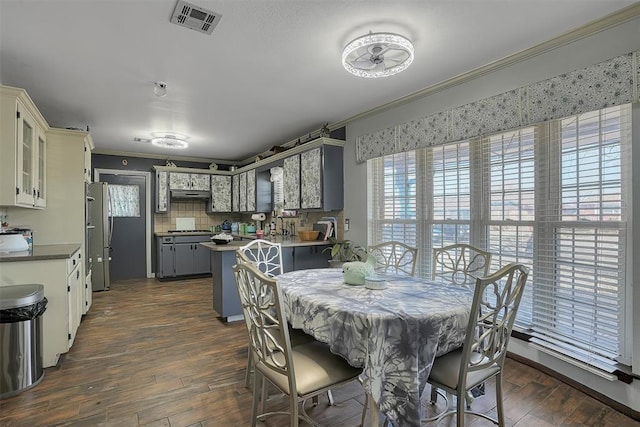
x,y
258,217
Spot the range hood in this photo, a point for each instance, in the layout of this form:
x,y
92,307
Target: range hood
x,y
190,194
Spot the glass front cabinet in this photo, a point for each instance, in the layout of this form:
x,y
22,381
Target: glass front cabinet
x,y
26,159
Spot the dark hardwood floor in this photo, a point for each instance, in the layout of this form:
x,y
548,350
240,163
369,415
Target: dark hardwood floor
x,y
153,353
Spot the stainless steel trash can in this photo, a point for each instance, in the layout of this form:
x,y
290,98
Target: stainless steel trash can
x,y
21,309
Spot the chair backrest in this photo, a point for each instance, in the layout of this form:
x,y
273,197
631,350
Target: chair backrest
x,y
261,300
496,300
265,255
461,264
394,257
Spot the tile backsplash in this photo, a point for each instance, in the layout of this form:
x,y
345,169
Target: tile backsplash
x,y
204,221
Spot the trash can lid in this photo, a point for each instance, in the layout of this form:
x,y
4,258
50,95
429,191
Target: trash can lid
x,y
20,295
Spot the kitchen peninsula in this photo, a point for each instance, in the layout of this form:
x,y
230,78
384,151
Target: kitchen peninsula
x,y
297,254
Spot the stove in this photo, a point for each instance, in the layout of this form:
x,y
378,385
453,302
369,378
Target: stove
x,y
188,231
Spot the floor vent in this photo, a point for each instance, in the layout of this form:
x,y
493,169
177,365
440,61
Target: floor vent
x,y
195,17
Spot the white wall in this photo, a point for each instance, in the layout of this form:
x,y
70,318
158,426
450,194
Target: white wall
x,y
596,48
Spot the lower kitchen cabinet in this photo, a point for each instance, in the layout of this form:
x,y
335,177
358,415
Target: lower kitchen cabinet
x,y
306,257
64,289
181,256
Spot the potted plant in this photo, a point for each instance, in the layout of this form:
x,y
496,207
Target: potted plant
x,y
345,251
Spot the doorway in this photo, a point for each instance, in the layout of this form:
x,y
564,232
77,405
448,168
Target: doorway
x,y
131,238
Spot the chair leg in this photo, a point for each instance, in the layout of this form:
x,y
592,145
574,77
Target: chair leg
x,y
499,405
247,375
434,395
460,403
256,396
293,410
468,397
364,409
330,397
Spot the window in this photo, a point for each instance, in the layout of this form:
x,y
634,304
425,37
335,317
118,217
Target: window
x,y
552,196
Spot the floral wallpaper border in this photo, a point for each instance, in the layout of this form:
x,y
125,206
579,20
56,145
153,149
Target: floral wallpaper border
x,y
612,82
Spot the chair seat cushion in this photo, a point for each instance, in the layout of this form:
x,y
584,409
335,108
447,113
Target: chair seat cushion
x,y
316,368
446,370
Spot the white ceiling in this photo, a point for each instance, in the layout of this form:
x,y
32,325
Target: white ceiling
x,y
268,74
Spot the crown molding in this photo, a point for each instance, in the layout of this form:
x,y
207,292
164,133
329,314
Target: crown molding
x,y
162,157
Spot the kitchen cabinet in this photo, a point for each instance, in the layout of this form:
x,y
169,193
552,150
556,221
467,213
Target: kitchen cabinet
x,y
23,152
220,194
63,220
162,192
59,271
244,196
314,179
291,171
189,181
181,256
235,193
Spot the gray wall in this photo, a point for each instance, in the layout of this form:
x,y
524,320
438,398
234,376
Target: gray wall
x,y
604,45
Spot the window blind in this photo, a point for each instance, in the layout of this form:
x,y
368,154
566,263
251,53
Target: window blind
x,y
552,196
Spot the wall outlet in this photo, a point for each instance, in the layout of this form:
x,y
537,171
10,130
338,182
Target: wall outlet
x,y
346,224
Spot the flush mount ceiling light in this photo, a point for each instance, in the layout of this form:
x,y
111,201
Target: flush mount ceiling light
x,y
169,141
160,89
377,55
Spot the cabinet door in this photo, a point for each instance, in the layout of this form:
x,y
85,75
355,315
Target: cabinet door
x,y
291,168
167,261
179,181
87,161
200,181
183,258
311,179
243,192
306,257
251,190
201,259
75,301
40,167
162,192
220,193
26,155
235,193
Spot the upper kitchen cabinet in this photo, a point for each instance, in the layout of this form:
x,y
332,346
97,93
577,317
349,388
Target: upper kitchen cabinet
x,y
291,167
189,181
314,179
23,150
220,194
162,191
244,191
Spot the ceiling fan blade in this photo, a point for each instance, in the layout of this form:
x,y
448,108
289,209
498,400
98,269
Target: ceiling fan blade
x,y
363,64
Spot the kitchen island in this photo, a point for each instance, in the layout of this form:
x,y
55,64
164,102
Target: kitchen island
x,y
297,254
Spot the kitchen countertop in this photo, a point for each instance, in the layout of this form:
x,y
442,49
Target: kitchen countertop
x,y
284,241
40,253
185,233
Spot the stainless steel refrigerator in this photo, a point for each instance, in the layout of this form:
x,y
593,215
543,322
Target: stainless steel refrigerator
x,y
100,232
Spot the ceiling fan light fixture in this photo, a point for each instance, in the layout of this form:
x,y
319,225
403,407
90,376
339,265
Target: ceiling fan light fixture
x,y
378,55
169,141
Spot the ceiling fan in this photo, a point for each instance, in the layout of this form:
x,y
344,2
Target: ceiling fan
x,y
378,55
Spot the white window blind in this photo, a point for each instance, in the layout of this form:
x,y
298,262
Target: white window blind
x,y
552,196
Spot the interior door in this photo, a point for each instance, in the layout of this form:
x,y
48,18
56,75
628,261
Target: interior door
x,y
128,208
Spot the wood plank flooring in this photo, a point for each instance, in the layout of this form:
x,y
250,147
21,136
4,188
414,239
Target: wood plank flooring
x,y
153,353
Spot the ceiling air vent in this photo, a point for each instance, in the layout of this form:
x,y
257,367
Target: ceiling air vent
x,y
194,17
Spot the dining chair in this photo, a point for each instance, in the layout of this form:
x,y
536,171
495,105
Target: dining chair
x,y
394,257
460,263
300,372
495,303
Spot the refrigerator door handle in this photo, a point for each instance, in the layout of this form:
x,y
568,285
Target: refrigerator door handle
x,y
110,213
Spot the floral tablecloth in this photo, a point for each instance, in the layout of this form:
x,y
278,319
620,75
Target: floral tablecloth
x,y
394,334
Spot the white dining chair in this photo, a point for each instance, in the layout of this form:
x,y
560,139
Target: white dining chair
x,y
300,372
495,303
394,257
460,263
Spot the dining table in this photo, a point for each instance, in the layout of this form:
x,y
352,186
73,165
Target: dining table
x,y
394,333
